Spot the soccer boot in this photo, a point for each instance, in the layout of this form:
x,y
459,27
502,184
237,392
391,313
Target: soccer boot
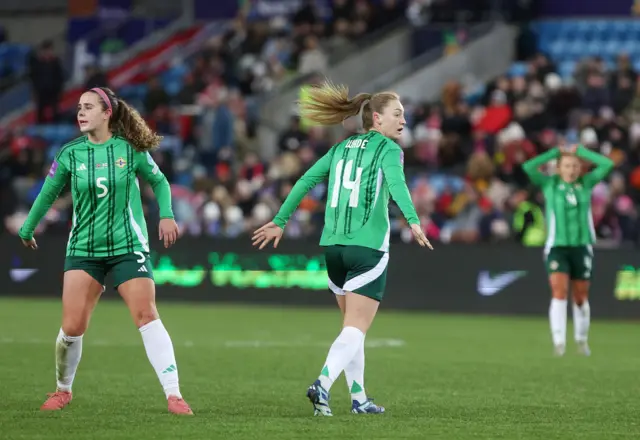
x,y
319,397
367,407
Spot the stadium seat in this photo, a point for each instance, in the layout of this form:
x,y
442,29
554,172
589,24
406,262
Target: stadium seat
x,y
14,57
518,69
567,69
571,40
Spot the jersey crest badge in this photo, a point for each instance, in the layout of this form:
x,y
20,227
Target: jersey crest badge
x,y
121,162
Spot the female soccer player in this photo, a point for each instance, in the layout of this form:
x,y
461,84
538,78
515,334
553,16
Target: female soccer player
x,y
363,171
568,251
109,234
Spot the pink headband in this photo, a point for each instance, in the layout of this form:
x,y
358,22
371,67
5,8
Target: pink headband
x,y
104,97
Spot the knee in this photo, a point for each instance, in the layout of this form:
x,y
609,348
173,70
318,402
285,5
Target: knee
x,y
580,297
559,292
75,326
144,316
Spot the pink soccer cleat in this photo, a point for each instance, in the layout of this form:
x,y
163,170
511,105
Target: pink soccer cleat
x,y
56,401
177,405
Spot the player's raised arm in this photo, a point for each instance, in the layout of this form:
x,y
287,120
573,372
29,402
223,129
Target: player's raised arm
x,y
604,165
531,167
55,181
314,175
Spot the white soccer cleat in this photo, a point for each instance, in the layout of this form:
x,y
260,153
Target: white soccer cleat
x,y
559,350
583,348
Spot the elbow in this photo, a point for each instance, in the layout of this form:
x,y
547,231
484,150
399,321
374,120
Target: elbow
x,y
161,181
608,166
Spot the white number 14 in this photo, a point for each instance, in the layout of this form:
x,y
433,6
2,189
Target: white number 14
x,y
343,180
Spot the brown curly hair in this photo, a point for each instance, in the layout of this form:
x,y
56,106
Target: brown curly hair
x,y
127,122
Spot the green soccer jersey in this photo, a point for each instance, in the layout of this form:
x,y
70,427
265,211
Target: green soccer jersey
x,y
363,171
107,209
568,205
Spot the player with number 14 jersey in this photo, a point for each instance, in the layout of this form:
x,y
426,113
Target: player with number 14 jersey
x,y
364,171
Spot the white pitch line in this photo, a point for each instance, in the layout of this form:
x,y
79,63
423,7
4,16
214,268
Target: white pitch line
x,y
370,343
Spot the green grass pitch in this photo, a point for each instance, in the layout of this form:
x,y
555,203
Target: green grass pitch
x,y
245,370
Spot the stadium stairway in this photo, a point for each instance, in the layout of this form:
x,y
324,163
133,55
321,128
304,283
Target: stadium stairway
x,y
151,61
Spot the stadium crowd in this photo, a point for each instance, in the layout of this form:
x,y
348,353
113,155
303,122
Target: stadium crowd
x,y
463,153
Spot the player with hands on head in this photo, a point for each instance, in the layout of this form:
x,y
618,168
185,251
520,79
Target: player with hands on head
x,y
570,236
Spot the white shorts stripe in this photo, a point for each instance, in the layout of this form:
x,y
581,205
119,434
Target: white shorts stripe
x,y
367,277
335,289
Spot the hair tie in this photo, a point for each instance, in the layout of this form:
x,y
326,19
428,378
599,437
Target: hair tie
x,y
361,118
104,97
365,102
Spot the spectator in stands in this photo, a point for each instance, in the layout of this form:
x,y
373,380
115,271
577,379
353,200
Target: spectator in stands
x,y
596,94
342,10
312,58
216,130
293,138
307,17
388,11
47,81
463,152
156,97
339,39
189,90
94,77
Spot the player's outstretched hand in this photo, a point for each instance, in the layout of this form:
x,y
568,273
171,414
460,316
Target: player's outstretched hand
x,y
420,237
168,231
265,234
31,244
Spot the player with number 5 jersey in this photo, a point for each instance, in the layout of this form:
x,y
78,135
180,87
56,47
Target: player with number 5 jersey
x,y
570,234
108,234
107,217
364,172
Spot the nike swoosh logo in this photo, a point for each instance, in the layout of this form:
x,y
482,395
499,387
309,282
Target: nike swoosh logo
x,y
488,285
20,275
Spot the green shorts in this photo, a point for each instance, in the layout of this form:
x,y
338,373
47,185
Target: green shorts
x,y
576,261
357,269
123,267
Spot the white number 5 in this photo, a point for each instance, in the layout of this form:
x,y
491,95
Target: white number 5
x,y
103,188
141,255
344,180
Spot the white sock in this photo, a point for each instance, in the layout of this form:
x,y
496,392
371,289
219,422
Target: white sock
x,y
581,321
558,321
342,351
354,373
68,354
159,349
